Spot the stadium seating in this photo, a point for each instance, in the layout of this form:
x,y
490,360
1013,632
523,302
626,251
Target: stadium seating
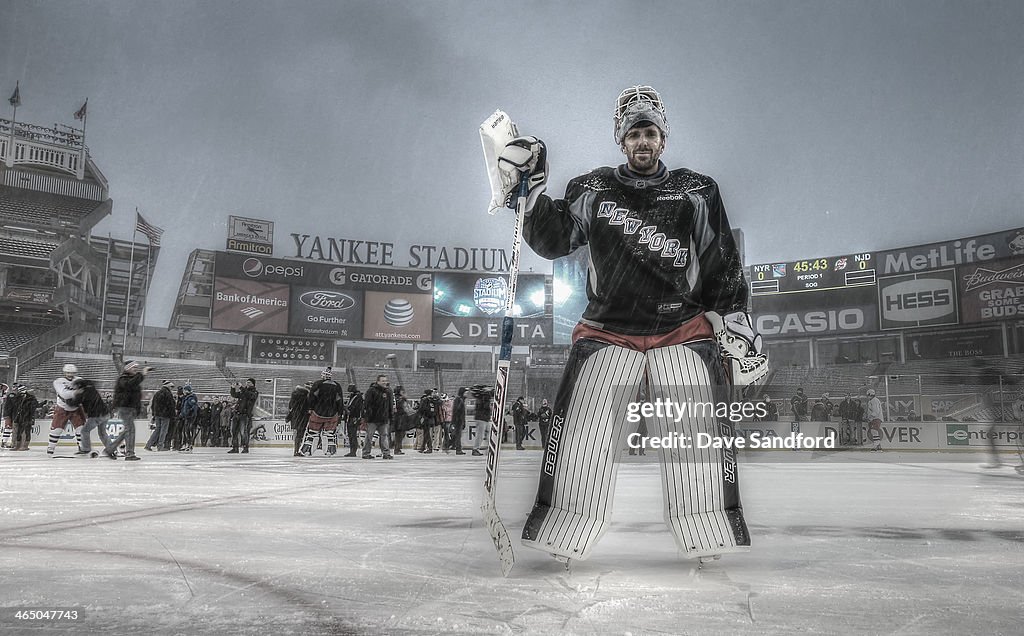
x,y
25,249
14,335
36,208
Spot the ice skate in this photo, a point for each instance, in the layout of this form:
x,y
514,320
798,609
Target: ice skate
x,y
707,559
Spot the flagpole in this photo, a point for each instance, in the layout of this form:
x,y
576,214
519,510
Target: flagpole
x,y
106,288
14,122
145,294
81,153
128,294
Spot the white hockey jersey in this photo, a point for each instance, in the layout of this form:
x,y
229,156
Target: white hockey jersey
x,y
62,387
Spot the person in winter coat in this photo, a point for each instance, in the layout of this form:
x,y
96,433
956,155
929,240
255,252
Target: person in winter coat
x,y
96,414
188,413
379,413
162,407
128,404
353,418
405,419
544,421
242,423
484,398
429,412
298,415
458,420
520,416
22,407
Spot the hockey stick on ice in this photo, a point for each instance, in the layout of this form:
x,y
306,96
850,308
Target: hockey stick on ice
x,y
499,535
494,132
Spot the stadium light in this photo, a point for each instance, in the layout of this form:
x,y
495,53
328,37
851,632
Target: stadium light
x,y
561,291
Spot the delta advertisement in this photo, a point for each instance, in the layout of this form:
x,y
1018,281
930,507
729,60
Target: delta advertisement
x,y
469,308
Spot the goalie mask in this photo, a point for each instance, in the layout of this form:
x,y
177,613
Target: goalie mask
x,y
637,104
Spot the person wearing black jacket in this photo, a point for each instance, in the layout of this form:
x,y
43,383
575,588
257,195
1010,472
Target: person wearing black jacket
x,y
162,407
482,415
353,415
326,403
428,411
405,415
544,421
205,421
20,407
7,396
458,420
520,415
298,415
240,426
379,413
96,414
128,404
215,424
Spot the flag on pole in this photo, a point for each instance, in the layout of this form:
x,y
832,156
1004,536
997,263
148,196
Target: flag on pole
x,y
15,99
80,113
151,231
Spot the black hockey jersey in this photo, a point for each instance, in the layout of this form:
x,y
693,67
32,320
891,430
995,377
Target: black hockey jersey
x,y
661,248
326,398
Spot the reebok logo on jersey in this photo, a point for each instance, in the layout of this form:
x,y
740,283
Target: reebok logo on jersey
x,y
649,235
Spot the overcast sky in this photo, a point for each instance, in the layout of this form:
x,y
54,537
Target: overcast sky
x,y
831,127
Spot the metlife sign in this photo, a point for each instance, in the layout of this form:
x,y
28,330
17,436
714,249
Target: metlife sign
x,y
978,249
918,300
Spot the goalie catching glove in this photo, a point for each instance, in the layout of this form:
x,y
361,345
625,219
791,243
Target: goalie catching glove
x,y
740,347
523,158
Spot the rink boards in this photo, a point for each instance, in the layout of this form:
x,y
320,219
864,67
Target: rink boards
x,y
911,436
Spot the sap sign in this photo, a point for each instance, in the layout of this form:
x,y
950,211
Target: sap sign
x,y
811,322
918,300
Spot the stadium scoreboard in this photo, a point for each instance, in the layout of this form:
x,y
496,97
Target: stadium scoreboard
x,y
816,274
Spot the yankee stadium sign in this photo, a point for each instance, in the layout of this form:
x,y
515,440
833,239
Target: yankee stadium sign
x,y
354,252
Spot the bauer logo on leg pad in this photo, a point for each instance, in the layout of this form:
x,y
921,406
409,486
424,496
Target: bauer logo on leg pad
x,y
551,452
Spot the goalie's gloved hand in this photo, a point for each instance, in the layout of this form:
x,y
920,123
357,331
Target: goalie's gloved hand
x,y
524,158
741,346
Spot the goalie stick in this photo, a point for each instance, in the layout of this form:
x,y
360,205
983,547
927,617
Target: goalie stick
x,y
492,131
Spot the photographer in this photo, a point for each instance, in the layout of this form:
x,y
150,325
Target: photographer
x,y
246,396
128,404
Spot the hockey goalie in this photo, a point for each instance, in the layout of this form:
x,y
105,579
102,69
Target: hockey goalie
x,y
666,314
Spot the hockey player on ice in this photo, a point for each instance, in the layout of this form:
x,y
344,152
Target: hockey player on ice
x,y
63,411
665,281
326,401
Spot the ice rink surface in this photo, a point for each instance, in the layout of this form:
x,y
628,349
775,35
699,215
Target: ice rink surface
x,y
209,543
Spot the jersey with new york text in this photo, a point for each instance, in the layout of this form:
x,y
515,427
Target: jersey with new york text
x,y
661,248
